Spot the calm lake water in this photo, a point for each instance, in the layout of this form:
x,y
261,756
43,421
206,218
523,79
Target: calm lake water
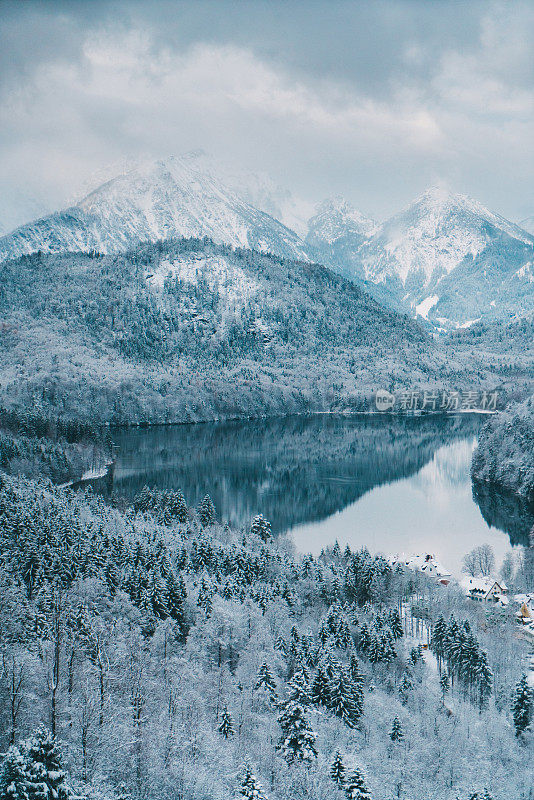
x,y
394,484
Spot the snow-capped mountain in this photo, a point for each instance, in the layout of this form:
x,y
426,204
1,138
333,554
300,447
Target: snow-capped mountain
x,y
426,241
176,197
446,257
337,232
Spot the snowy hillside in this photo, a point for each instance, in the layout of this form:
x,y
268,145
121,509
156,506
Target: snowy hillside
x,y
505,453
156,200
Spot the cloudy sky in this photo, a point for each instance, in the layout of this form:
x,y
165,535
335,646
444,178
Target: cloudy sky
x,y
372,100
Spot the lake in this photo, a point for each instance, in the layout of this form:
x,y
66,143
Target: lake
x,y
394,484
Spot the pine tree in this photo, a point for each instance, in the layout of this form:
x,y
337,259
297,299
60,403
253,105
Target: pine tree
x,y
299,690
226,727
205,597
341,700
437,644
484,680
355,788
364,639
176,594
14,776
395,624
156,599
46,777
406,685
178,507
355,673
522,706
396,733
266,680
249,787
260,527
445,686
142,500
337,770
320,689
297,742
206,512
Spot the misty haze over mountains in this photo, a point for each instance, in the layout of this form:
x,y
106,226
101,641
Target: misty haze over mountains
x,y
446,258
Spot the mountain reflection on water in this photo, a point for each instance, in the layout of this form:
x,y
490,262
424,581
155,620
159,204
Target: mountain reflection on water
x,y
305,473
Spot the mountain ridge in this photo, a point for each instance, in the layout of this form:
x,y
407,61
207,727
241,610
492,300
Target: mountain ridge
x,y
157,200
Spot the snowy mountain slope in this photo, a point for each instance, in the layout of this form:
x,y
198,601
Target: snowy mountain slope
x,y
336,233
446,257
528,224
157,200
336,220
431,237
496,284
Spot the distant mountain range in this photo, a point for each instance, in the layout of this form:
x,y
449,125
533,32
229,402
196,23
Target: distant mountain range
x,y
445,259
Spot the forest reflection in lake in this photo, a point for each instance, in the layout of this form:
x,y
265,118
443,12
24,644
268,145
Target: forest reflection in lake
x,y
395,484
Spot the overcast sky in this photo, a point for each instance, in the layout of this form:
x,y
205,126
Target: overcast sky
x,y
372,100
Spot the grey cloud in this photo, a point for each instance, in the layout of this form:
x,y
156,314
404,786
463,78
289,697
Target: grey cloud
x,y
371,100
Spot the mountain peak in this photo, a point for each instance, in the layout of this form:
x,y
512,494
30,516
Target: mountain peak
x,y
153,199
431,237
335,217
443,200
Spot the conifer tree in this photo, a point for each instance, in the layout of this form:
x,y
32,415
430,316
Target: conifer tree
x,y
406,685
249,787
522,706
297,742
226,727
341,700
484,679
175,603
142,500
337,770
46,778
266,680
14,776
395,624
320,688
299,690
178,507
261,527
206,512
445,686
205,597
355,672
437,643
355,788
396,733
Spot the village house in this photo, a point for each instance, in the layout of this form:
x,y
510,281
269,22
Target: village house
x,y
486,589
427,564
525,615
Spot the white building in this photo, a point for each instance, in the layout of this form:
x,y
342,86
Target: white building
x,y
487,589
427,564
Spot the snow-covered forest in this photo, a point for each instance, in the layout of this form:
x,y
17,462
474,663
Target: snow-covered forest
x,y
187,330
505,454
173,656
